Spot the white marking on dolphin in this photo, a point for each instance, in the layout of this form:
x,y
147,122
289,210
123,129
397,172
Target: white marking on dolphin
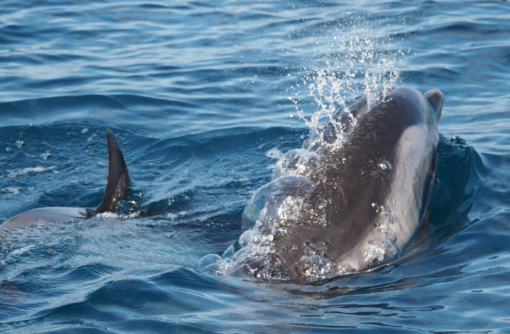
x,y
117,186
351,199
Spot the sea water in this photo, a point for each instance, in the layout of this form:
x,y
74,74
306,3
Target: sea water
x,y
207,99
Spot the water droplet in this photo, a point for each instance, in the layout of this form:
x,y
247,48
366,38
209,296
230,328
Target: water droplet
x,y
378,208
229,252
385,165
209,259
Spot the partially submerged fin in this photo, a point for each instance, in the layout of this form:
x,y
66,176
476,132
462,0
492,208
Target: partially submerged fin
x,y
436,100
118,178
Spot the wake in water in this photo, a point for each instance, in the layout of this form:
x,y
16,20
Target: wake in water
x,y
360,60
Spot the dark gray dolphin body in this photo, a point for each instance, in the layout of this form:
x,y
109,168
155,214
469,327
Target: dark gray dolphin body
x,y
353,198
116,188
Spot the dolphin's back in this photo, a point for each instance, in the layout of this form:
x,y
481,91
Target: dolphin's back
x,y
358,178
48,215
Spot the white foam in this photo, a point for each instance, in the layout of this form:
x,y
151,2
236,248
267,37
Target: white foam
x,y
274,153
22,250
25,171
13,190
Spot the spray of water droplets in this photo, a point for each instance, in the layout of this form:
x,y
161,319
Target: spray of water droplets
x,y
355,58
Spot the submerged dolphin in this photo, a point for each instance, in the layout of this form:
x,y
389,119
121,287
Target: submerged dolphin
x,y
352,198
117,186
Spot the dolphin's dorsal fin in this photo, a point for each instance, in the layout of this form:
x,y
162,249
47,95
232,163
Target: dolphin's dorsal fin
x,y
118,182
436,100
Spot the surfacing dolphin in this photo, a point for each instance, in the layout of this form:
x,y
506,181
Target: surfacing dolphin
x,y
351,199
117,186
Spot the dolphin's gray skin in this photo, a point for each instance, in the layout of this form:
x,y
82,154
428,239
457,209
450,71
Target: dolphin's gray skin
x,y
116,188
352,198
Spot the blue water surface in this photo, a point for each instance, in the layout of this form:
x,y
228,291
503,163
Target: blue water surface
x,y
203,97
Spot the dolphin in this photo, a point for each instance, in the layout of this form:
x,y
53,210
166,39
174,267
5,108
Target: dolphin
x,y
117,186
351,199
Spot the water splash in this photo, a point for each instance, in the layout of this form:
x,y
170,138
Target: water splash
x,y
358,58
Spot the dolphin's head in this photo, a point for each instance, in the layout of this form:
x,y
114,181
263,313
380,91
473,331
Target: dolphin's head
x,y
360,202
436,100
